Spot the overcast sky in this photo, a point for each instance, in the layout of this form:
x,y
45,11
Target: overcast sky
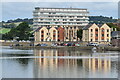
x,y
14,10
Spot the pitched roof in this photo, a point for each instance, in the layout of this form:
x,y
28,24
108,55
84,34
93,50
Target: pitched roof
x,y
115,34
86,27
99,25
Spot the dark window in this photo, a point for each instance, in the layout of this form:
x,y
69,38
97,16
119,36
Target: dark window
x,y
96,35
74,27
41,39
42,31
91,39
58,35
102,35
96,30
42,35
107,35
91,30
107,30
71,19
53,35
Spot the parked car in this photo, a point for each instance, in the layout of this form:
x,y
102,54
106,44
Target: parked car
x,y
92,44
61,44
77,44
31,44
18,45
65,44
44,45
53,44
70,44
38,45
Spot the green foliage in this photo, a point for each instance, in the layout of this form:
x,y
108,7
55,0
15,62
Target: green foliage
x,y
111,25
4,30
22,31
101,19
79,33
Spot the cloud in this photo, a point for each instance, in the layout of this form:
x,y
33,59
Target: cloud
x,y
59,0
13,10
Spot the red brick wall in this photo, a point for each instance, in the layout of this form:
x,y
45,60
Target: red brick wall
x,y
61,34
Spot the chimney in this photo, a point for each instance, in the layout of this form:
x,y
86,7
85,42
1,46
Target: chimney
x,y
115,29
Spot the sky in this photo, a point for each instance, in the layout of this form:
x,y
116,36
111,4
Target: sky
x,y
14,10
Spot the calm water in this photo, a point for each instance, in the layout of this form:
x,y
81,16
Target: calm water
x,y
51,63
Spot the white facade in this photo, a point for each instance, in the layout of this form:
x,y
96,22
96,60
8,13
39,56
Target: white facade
x,y
60,17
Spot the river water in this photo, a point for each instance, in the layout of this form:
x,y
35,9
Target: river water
x,y
52,63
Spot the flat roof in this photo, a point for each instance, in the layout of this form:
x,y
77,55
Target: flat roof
x,y
60,8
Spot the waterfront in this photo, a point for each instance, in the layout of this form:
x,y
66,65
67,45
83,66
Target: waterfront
x,y
52,63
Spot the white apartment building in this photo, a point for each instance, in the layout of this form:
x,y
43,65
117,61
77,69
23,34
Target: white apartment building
x,y
65,17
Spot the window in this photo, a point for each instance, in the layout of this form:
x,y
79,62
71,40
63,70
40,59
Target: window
x,y
42,31
107,35
91,39
102,29
91,35
42,35
71,19
96,35
96,30
102,35
77,19
107,30
58,35
54,31
53,35
74,27
91,30
41,39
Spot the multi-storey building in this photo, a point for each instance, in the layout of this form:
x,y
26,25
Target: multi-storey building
x,y
97,33
60,17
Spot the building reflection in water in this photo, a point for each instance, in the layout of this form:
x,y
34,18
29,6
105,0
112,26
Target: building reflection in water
x,y
70,68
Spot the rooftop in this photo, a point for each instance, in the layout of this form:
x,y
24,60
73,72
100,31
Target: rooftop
x,y
116,34
61,8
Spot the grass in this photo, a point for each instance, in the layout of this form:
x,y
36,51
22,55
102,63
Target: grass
x,y
4,30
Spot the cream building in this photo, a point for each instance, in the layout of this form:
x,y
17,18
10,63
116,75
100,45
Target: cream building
x,y
46,34
70,33
97,33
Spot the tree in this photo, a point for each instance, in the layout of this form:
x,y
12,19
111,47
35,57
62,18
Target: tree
x,y
22,31
79,34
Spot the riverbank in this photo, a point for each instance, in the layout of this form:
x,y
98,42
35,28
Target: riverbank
x,y
26,45
69,48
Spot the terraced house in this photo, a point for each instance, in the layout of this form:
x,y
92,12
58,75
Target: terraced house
x,y
49,34
97,33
